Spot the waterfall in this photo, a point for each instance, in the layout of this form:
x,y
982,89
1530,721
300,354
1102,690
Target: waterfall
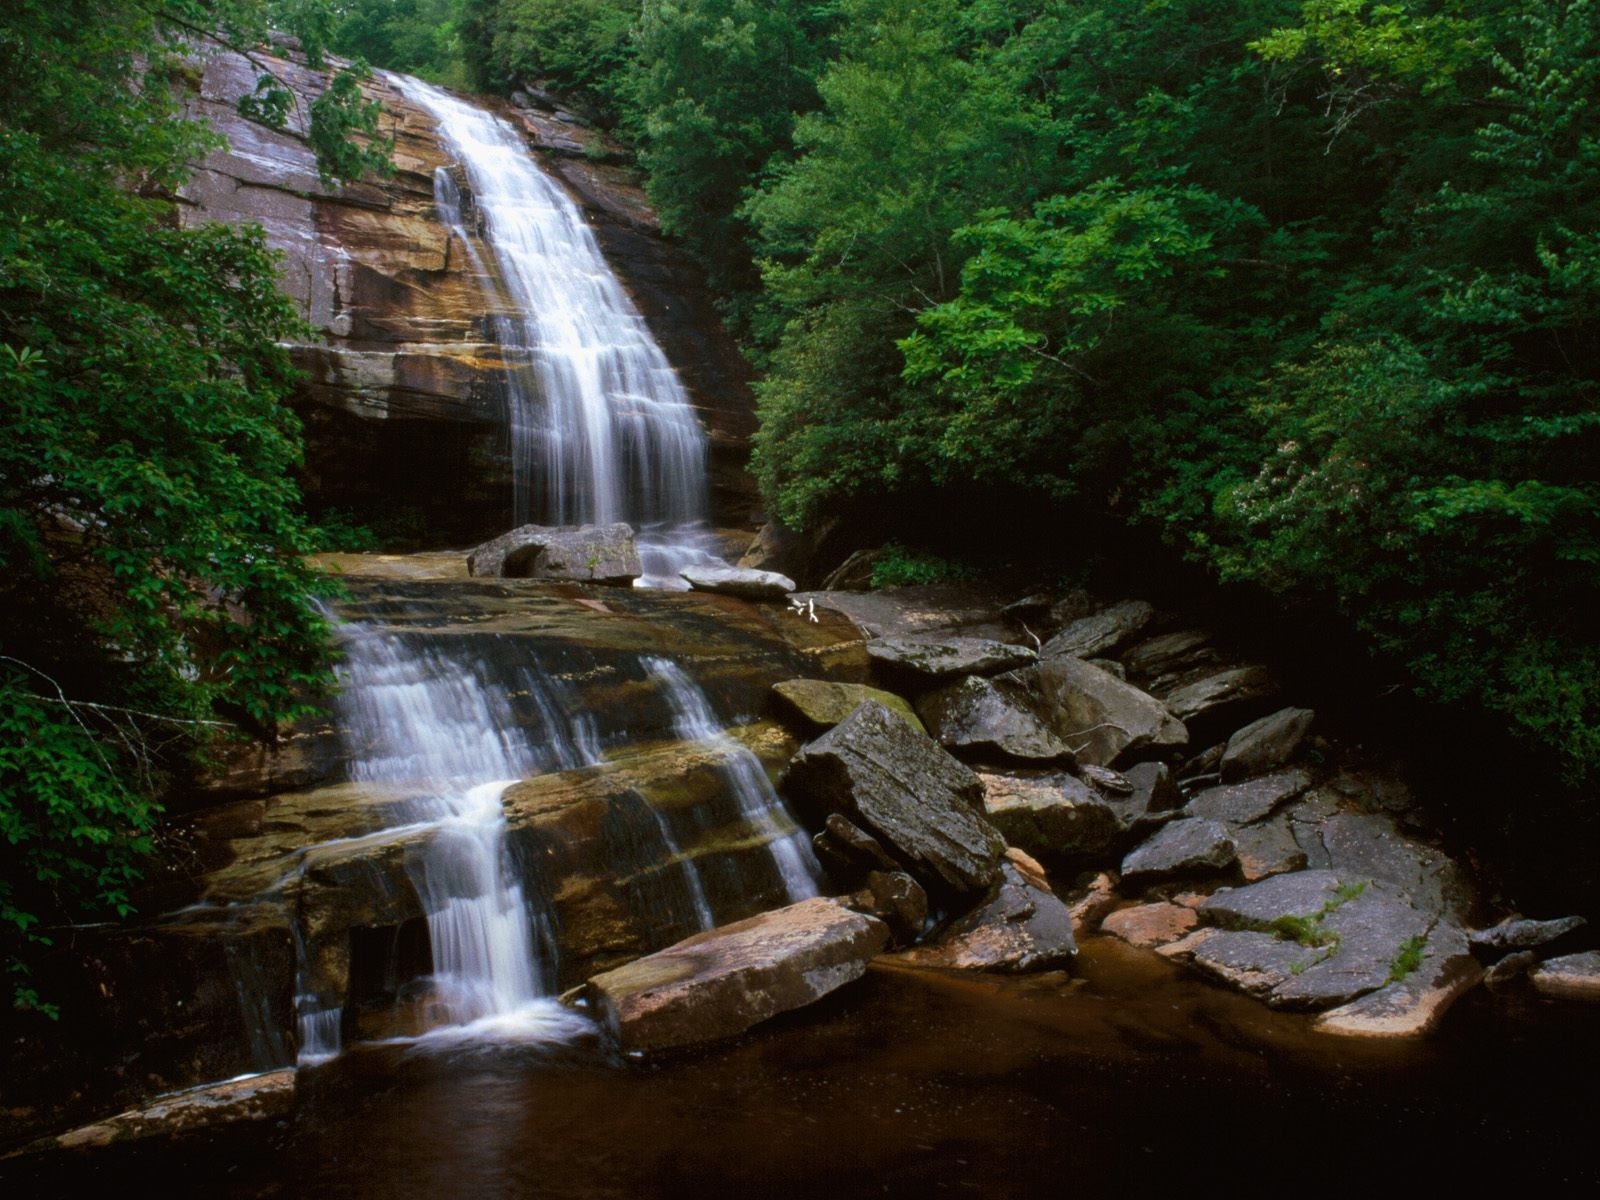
x,y
759,803
603,430
445,725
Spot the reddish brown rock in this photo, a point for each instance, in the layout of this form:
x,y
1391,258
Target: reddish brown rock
x,y
1150,925
720,983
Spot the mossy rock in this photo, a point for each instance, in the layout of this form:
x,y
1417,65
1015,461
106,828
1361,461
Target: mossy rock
x,y
821,704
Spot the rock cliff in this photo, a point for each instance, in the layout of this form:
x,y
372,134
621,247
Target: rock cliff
x,y
402,399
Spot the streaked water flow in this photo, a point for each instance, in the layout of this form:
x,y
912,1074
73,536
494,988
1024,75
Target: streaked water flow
x,y
603,430
758,801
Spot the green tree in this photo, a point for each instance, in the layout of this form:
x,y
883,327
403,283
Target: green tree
x,y
151,587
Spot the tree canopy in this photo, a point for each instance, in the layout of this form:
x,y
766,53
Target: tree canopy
x,y
151,581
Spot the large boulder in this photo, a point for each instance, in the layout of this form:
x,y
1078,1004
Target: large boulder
x,y
744,582
1101,634
1266,744
1242,803
1209,706
582,553
1021,926
1520,933
931,660
1104,720
992,719
821,704
1054,816
720,983
916,800
1168,653
1414,1003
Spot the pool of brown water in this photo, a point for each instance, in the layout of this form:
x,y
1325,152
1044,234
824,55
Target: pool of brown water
x,y
1127,1079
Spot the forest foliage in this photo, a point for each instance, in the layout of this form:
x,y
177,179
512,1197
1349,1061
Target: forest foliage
x,y
1308,287
152,590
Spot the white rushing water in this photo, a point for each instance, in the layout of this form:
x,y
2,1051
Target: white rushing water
x,y
422,719
603,430
759,803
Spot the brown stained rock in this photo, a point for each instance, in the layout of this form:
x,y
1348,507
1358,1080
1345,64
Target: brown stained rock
x,y
899,902
1268,848
1092,902
914,798
1020,927
252,1098
1150,925
848,850
822,704
722,982
1190,847
1571,977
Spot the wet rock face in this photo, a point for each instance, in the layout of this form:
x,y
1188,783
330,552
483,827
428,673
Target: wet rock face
x,y
1105,721
821,704
720,983
1021,926
991,719
931,660
403,381
580,554
898,785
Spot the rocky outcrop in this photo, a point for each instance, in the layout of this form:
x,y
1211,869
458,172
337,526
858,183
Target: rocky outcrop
x,y
1057,817
896,784
1104,720
720,983
991,719
603,554
1190,847
402,401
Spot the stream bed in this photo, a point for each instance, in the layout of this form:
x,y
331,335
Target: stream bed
x,y
1126,1078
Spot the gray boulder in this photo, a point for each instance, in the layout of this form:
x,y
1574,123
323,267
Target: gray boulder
x,y
1416,1002
1571,977
934,659
720,983
917,801
1266,744
1169,652
1519,933
1210,705
1268,848
991,718
899,902
584,553
1103,720
1021,926
745,582
849,851
1192,846
1242,803
1100,634
1054,816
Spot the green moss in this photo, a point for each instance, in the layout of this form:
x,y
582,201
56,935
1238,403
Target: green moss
x,y
1408,959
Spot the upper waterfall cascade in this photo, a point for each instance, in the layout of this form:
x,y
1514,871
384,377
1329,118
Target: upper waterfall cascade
x,y
601,427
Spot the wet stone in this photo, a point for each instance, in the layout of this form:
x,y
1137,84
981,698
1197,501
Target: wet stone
x,y
1091,901
1192,846
1265,745
1415,1004
1210,704
899,786
899,902
1519,933
745,582
1021,926
1100,634
932,660
1103,720
1242,803
1150,925
992,719
1268,848
585,553
1571,977
720,983
1055,816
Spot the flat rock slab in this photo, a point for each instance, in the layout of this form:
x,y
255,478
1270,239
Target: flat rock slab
x,y
1104,720
720,983
980,718
253,1098
1254,963
822,704
1022,926
1371,846
1351,934
1054,816
1168,652
583,553
1192,846
1265,745
1415,1004
1268,848
1242,803
1150,925
746,582
935,659
1519,933
1101,634
916,800
1571,977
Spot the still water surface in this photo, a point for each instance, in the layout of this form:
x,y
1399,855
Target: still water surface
x,y
1129,1080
